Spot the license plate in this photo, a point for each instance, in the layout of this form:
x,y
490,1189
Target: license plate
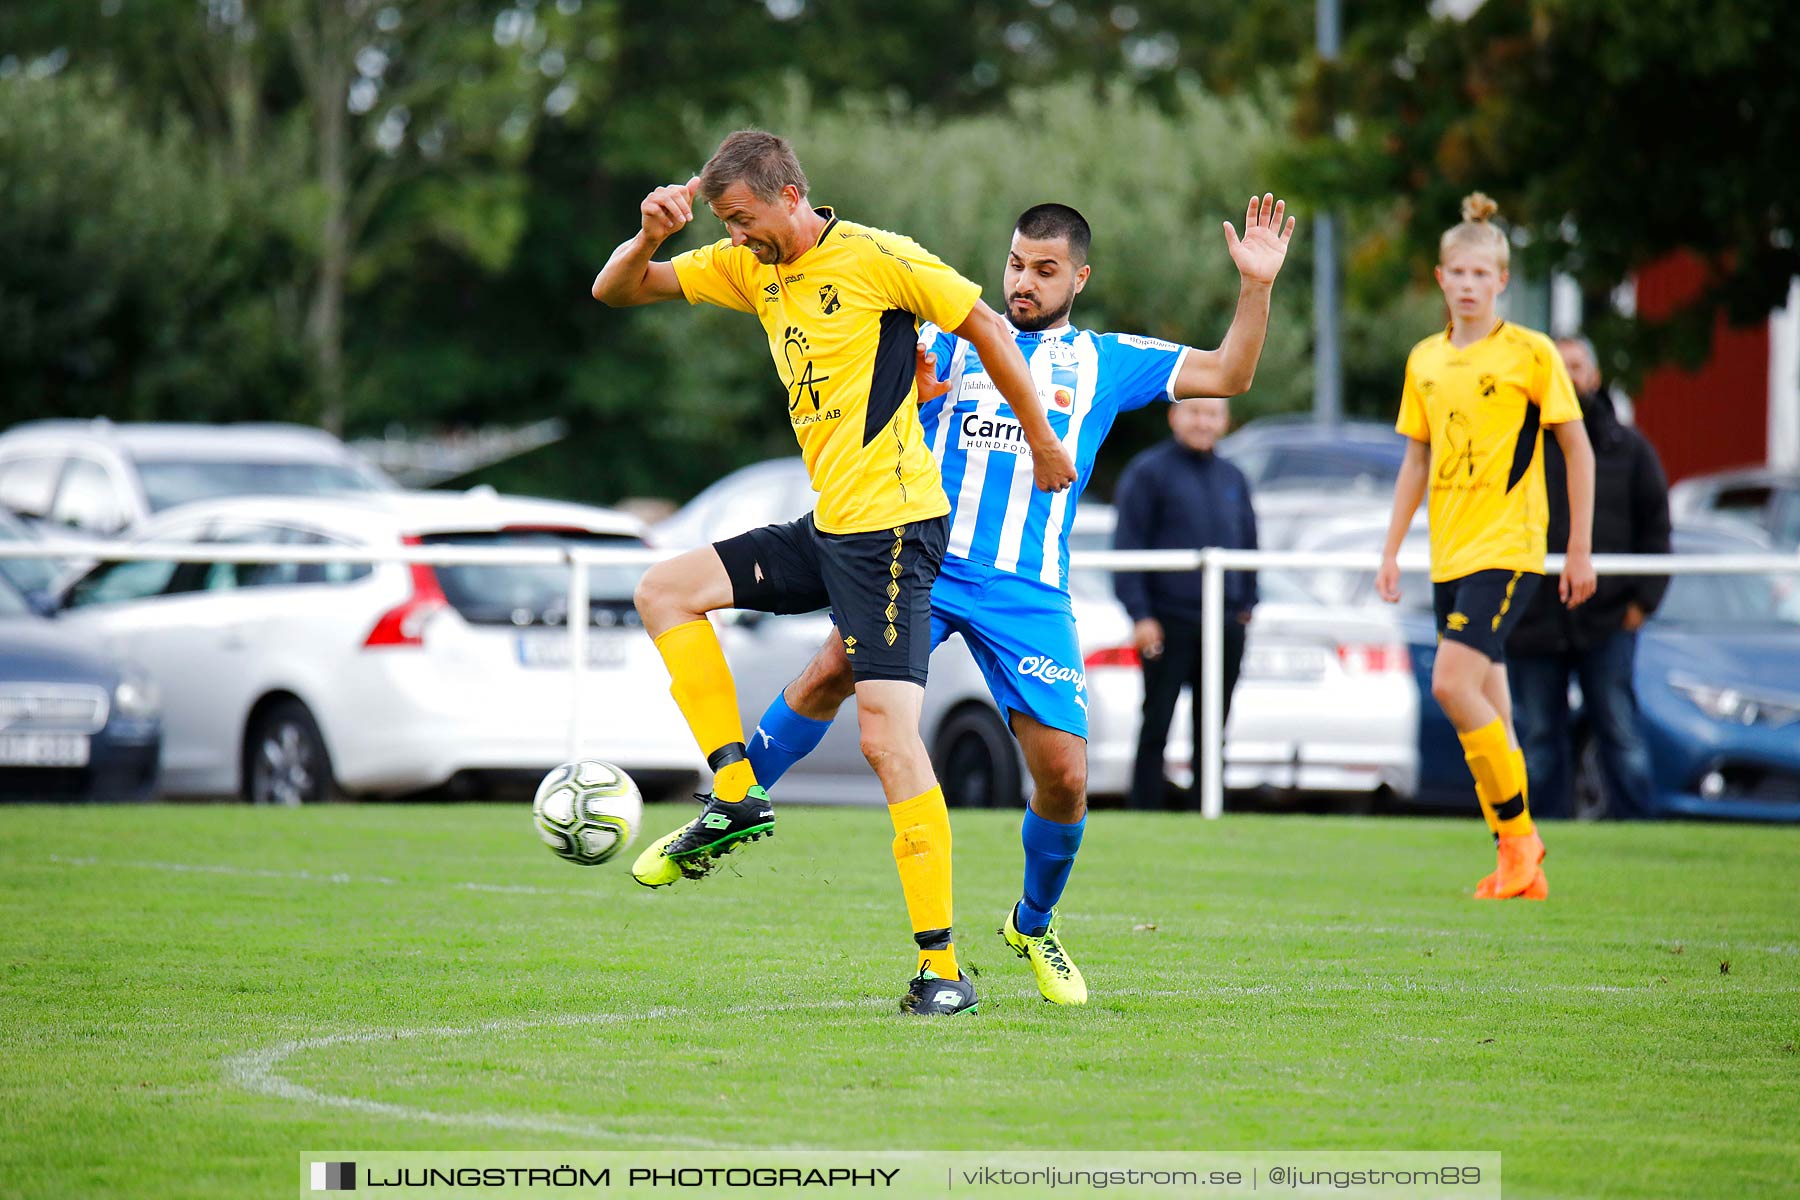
x,y
1284,662
552,651
43,749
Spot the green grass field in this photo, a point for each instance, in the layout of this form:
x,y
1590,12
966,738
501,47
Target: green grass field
x,y
193,995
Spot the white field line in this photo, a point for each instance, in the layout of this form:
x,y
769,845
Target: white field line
x,y
257,1071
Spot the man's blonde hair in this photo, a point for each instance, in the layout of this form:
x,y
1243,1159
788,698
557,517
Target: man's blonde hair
x,y
1475,232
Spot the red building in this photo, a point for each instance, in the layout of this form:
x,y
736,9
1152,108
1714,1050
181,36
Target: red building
x,y
1742,407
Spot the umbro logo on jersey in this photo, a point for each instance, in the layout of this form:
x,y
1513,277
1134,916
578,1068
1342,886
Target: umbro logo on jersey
x,y
1456,622
772,290
828,299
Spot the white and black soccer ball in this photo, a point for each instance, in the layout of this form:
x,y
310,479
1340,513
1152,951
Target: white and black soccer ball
x,y
588,811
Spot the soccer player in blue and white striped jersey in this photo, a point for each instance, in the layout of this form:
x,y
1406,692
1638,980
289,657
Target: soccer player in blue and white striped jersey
x,y
1004,580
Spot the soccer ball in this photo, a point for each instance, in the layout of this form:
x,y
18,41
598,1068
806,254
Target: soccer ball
x,y
587,811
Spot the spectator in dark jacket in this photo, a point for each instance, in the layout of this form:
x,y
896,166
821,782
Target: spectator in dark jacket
x,y
1596,643
1181,496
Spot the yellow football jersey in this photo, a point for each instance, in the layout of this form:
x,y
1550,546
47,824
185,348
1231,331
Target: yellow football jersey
x,y
1482,408
842,321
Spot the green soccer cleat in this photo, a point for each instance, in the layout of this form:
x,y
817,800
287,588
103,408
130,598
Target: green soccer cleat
x,y
1058,978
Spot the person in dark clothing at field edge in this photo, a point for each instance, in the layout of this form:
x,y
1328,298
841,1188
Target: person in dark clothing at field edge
x,y
1597,642
1181,495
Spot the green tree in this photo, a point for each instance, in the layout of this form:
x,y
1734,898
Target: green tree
x,y
138,279
1611,133
372,128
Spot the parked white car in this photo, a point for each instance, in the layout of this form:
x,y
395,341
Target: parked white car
x,y
290,683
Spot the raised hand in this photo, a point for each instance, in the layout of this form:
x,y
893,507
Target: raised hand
x,y
668,209
1263,248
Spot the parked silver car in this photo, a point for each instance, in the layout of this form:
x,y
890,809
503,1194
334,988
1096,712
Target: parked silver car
x,y
98,478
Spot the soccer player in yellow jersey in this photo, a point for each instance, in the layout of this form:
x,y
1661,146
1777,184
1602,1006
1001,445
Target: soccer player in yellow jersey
x,y
840,303
1476,401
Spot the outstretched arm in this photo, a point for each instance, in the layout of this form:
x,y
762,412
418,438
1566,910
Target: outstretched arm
x,y
1259,254
1578,564
631,276
984,329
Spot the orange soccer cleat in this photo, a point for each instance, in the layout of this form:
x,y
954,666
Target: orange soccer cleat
x,y
1518,872
1537,889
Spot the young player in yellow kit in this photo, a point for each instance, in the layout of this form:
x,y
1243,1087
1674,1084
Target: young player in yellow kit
x,y
1475,403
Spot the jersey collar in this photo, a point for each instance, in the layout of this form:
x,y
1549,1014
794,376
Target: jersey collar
x,y
1450,329
1066,329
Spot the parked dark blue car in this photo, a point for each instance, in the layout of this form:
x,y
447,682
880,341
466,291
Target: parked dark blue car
x,y
1718,686
74,724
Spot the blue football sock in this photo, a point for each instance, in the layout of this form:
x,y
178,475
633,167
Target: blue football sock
x,y
783,737
1050,850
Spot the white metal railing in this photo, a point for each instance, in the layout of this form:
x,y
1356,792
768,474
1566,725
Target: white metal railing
x,y
1212,563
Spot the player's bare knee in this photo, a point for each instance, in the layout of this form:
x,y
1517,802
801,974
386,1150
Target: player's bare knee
x,y
1447,691
655,595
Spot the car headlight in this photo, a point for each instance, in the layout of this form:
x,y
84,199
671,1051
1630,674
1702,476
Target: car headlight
x,y
136,695
1739,706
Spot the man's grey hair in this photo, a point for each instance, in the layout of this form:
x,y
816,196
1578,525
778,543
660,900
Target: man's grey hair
x,y
762,162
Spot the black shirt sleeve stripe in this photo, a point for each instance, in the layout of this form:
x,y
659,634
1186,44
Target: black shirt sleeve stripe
x,y
891,380
1525,447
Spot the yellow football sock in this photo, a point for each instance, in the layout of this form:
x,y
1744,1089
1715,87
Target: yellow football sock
x,y
1499,772
922,851
703,689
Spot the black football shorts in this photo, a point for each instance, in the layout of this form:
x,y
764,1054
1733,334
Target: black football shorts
x,y
1481,608
877,585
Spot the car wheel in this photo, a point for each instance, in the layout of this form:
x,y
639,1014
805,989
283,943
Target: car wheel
x,y
285,759
1588,803
976,762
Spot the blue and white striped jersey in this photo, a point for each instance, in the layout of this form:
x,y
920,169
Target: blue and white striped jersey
x,y
1086,379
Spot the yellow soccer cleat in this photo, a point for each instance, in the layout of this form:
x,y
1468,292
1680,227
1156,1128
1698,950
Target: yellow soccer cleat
x,y
1058,978
653,868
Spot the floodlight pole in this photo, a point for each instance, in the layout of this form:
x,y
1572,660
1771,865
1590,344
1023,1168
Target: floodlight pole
x,y
1328,366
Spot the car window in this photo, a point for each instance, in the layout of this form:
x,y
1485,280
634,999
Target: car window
x,y
257,533
168,483
526,595
26,574
1715,601
117,582
88,498
26,483
1748,501
1784,526
1328,465
12,604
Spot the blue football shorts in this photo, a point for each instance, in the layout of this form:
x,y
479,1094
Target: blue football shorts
x,y
1022,634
